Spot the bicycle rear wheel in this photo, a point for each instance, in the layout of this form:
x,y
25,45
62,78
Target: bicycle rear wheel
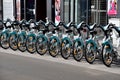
x,y
53,48
106,56
30,44
13,42
65,50
90,54
21,43
78,51
41,46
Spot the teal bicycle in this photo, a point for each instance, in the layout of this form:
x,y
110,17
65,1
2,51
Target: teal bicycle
x,y
54,41
109,52
13,35
4,36
22,35
66,42
92,48
42,40
31,37
78,44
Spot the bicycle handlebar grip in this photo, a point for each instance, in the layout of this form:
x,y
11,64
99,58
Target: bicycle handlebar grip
x,y
16,23
5,22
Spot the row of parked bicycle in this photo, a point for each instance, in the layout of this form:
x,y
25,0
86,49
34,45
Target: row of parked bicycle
x,y
80,40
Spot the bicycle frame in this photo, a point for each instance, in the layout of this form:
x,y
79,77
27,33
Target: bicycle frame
x,y
42,40
92,47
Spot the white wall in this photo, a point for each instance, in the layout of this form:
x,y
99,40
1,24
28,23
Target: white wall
x,y
8,9
115,21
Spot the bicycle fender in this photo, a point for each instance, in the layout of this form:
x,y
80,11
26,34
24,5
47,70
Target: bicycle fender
x,y
107,43
32,35
22,33
43,37
93,42
13,33
79,40
68,40
5,31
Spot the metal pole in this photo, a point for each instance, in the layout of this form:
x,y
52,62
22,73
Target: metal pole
x,y
87,12
2,8
74,11
62,10
106,11
35,7
69,10
97,12
24,9
14,9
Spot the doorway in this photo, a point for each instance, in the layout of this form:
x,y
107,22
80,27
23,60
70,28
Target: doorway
x,y
41,10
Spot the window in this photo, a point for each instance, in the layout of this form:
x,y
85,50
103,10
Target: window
x,y
98,12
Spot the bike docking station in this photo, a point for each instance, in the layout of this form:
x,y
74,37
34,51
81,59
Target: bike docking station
x,y
91,42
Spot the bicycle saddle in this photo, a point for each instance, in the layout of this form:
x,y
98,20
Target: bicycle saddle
x,y
93,32
69,31
80,25
67,25
92,26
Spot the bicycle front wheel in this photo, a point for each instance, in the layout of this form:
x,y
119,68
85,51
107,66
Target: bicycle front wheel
x,y
54,48
30,45
13,42
4,42
41,46
65,50
78,51
107,56
90,54
21,43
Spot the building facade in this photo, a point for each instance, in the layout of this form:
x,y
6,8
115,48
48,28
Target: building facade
x,y
6,9
90,11
30,9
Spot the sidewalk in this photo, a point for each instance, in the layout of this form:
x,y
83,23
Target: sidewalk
x,y
98,65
